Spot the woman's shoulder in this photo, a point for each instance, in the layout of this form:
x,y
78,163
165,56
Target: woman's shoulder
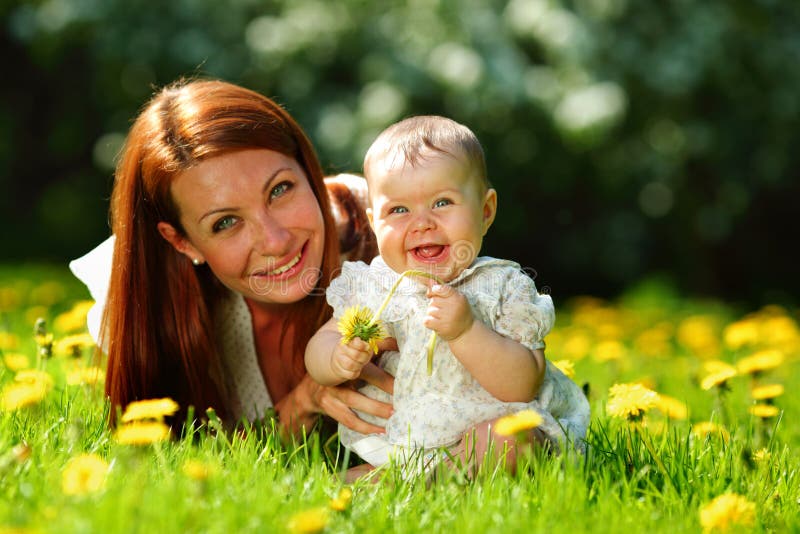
x,y
349,201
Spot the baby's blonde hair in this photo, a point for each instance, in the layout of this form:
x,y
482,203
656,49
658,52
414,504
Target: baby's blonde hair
x,y
409,139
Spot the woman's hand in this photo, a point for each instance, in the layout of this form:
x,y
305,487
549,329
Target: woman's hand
x,y
300,407
339,402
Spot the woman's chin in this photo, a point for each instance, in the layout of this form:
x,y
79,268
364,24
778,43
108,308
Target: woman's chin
x,y
283,291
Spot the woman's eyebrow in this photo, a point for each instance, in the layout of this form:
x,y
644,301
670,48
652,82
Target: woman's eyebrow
x,y
267,183
272,178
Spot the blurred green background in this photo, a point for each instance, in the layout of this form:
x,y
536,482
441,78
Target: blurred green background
x,y
626,139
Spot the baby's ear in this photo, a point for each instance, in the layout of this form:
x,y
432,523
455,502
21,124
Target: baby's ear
x,y
489,208
368,211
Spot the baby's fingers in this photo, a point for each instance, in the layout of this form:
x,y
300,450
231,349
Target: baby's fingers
x,y
359,344
440,290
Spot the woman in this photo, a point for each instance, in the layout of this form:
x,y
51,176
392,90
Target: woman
x,y
225,241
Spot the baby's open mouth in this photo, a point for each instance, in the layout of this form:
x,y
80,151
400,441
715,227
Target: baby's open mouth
x,y
430,253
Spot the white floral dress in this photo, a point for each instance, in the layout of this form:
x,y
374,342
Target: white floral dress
x,y
432,411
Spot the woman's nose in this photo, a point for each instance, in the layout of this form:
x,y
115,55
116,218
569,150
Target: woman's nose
x,y
270,237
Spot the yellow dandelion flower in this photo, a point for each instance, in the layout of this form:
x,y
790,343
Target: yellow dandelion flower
x,y
518,422
197,470
16,361
762,455
654,342
73,345
630,401
356,322
609,351
565,366
672,407
84,474
313,520
760,361
342,500
75,318
609,331
34,377
8,341
19,395
149,409
767,391
780,331
10,299
647,381
698,333
764,411
707,428
44,340
727,511
85,375
719,374
141,433
577,346
741,333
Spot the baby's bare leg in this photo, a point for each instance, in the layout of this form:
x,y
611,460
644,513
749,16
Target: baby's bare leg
x,y
481,443
354,473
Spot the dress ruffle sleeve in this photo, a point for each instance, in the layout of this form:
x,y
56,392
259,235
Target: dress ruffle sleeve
x,y
523,314
344,290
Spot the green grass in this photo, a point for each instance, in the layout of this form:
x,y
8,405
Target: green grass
x,y
651,479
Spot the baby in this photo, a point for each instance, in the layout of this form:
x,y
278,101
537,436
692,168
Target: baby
x,y
430,206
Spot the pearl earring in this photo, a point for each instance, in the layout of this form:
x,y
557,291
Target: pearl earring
x,y
196,262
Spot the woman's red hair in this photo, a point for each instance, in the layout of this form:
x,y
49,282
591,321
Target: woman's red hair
x,y
158,318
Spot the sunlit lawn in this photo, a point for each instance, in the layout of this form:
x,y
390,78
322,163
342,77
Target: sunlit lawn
x,y
704,436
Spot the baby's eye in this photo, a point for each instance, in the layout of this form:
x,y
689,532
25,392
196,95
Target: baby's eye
x,y
279,190
224,223
399,209
442,202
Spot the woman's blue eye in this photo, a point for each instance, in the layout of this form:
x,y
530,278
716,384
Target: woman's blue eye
x,y
224,223
399,209
442,202
279,190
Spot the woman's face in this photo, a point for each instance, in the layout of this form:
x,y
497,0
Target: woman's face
x,y
253,217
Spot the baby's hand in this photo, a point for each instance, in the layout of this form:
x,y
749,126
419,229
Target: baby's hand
x,y
449,314
348,360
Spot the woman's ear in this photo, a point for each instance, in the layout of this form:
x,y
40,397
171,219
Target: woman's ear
x,y
489,208
179,242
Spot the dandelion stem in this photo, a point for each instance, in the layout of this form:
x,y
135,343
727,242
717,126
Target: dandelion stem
x,y
412,272
431,347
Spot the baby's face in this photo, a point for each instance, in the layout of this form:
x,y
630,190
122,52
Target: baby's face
x,y
431,217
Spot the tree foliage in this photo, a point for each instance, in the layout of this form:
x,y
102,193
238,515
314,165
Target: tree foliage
x,y
624,138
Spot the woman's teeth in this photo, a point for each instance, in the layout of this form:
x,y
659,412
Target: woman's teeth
x,y
286,267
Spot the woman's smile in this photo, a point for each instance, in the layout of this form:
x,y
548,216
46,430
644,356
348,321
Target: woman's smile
x,y
284,269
